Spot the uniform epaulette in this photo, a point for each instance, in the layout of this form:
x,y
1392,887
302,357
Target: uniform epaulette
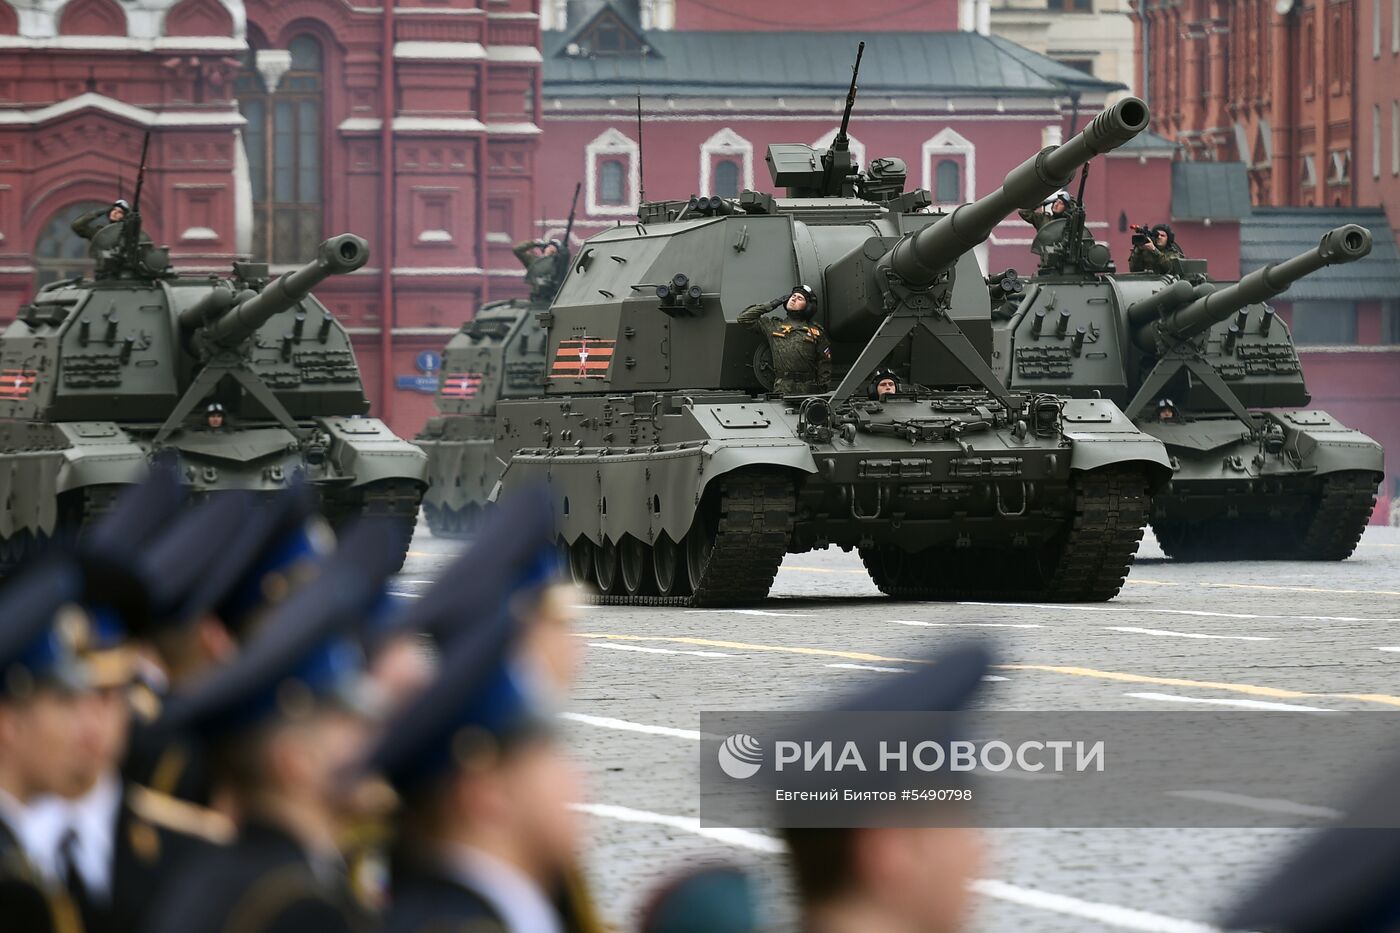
x,y
180,816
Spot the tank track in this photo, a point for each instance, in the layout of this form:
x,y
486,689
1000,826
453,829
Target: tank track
x,y
1329,529
449,523
384,499
754,513
1086,563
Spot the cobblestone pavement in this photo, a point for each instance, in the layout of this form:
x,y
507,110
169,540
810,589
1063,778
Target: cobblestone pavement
x,y
1238,634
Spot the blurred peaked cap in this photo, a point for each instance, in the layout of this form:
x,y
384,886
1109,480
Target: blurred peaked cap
x,y
179,562
481,701
307,651
713,899
513,550
946,683
1340,880
139,514
42,628
268,542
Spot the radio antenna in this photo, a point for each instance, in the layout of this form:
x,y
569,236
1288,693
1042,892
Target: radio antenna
x,y
641,162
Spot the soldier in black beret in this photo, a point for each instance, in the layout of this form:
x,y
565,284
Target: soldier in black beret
x,y
283,720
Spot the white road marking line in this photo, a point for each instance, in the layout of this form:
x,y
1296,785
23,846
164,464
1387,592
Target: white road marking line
x,y
1241,704
868,667
1133,630
743,838
1123,918
1396,649
623,725
646,650
967,624
756,612
993,678
402,580
1262,804
405,595
1199,613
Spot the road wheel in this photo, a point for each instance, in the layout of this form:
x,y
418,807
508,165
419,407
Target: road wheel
x,y
608,566
582,559
634,558
668,567
699,544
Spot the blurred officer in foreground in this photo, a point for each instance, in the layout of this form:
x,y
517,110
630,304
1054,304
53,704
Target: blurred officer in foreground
x,y
710,899
1341,880
487,839
212,577
43,681
874,879
283,721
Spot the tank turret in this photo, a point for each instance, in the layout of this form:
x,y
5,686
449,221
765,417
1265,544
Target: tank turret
x,y
339,255
1210,370
862,288
130,366
1346,243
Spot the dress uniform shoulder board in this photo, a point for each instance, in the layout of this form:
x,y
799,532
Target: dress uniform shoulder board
x,y
274,894
180,816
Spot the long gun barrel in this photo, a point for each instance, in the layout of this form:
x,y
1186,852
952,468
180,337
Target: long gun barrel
x,y
337,256
919,259
1346,243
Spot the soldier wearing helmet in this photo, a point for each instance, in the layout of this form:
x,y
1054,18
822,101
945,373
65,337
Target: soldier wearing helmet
x,y
1058,206
87,225
545,263
801,350
1157,252
214,417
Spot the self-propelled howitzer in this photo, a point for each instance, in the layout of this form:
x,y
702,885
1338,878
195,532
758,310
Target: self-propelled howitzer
x,y
104,375
680,476
1209,369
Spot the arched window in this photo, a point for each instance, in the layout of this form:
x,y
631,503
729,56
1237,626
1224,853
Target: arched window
x,y
947,182
61,253
283,140
726,181
612,182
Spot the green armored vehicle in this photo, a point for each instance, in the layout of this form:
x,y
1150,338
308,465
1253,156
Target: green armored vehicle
x,y
679,477
242,382
1209,369
498,354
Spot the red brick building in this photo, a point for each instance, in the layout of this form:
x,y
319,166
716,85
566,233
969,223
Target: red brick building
x,y
1378,107
1238,80
268,132
721,80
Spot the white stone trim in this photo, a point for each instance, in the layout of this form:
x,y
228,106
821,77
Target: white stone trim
x,y
199,233
726,143
242,198
612,142
857,147
808,108
514,53
435,236
436,270
127,43
272,65
421,50
949,141
437,125
513,129
126,111
361,125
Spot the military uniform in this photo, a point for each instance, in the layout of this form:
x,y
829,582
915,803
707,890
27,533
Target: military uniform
x,y
1161,261
87,225
1038,219
25,901
801,350
264,884
542,273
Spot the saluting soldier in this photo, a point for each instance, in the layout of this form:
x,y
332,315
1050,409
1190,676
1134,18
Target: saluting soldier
x,y
801,350
543,262
43,680
1053,209
87,225
284,720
